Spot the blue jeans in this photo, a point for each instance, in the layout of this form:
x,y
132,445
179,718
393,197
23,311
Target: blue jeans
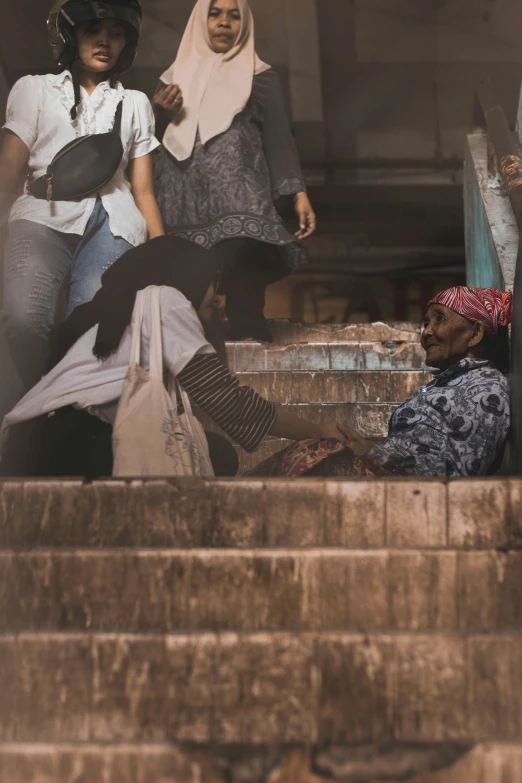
x,y
41,265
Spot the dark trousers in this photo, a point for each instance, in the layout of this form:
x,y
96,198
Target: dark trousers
x,y
250,266
74,443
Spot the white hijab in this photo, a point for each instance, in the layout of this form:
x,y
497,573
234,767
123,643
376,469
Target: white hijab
x,y
215,86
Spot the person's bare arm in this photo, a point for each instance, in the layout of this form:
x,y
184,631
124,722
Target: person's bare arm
x,y
357,443
139,172
245,416
288,425
14,155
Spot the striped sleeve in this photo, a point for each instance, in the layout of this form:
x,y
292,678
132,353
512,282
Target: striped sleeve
x,y
238,410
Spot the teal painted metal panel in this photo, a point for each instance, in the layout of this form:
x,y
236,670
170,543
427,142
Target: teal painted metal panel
x,y
482,263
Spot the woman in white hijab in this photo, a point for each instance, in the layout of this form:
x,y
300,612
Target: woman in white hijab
x,y
228,153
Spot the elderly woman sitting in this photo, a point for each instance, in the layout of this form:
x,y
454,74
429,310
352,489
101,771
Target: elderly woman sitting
x,y
455,426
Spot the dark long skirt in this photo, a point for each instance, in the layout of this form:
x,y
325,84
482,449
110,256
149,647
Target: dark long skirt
x,y
249,267
75,443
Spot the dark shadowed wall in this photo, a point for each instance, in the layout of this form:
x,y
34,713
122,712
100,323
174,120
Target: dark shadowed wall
x,y
391,79
399,75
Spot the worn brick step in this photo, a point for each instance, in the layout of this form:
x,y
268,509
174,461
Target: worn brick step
x,y
326,386
99,763
263,590
286,332
251,357
151,763
305,513
266,688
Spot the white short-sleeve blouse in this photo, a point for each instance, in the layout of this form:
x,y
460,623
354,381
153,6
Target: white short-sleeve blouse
x,y
80,379
38,112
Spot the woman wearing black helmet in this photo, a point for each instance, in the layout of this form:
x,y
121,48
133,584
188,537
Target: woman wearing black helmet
x,y
73,220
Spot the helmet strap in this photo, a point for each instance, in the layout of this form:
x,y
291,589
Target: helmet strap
x,y
62,11
77,93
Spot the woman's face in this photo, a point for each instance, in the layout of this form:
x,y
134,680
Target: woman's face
x,y
207,307
100,43
224,25
448,337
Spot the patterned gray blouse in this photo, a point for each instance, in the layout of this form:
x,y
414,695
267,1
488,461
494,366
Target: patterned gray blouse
x,y
227,188
457,425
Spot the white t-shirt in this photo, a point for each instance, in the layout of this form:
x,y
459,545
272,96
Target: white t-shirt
x,y
80,379
38,112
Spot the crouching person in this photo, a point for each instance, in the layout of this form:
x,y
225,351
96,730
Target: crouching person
x,y
63,426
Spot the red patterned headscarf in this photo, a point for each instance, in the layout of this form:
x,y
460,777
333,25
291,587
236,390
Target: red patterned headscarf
x,y
488,305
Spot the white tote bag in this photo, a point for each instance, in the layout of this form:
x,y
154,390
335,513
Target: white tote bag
x,y
155,434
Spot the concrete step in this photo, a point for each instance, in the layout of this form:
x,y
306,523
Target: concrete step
x,y
326,386
101,763
247,514
261,689
263,590
152,763
335,356
285,332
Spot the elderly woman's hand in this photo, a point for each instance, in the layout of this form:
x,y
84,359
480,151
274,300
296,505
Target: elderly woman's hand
x,y
306,215
351,438
169,100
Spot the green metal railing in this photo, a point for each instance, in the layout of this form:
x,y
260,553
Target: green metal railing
x,y
509,163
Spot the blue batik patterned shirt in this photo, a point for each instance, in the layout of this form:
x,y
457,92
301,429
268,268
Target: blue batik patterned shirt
x,y
457,425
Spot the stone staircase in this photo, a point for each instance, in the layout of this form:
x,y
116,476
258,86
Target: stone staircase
x,y
253,631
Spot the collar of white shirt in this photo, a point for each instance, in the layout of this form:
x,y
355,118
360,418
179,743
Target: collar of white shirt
x,y
96,111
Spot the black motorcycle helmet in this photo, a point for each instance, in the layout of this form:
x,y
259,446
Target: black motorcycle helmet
x,y
65,14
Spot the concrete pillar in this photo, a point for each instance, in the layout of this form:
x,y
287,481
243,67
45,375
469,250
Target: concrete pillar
x,y
305,82
292,25
337,22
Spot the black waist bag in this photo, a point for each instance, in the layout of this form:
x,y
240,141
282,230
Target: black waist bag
x,y
82,167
